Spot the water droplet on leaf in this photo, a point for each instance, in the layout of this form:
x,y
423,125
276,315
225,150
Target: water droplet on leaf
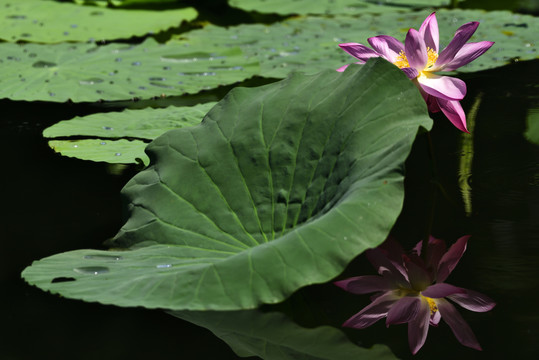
x,y
91,270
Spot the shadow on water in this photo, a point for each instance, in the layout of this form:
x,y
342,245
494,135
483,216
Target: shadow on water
x,y
54,204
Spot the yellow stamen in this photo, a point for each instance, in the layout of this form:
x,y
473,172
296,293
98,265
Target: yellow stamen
x,y
432,305
402,62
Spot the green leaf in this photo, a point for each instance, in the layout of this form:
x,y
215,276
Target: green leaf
x,y
53,22
87,72
333,7
279,187
139,126
310,44
273,336
532,124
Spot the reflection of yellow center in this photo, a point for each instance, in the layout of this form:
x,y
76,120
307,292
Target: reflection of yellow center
x,y
432,305
402,62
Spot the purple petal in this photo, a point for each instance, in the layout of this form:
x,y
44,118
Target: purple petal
x,y
441,290
468,53
474,301
373,312
436,247
463,34
429,31
444,87
460,328
342,68
410,72
387,267
403,311
359,51
435,318
453,111
451,257
416,50
432,104
419,327
387,46
418,276
365,284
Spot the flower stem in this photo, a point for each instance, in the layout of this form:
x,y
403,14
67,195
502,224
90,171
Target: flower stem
x,y
432,197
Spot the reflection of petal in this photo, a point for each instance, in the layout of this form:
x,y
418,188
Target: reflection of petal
x,y
429,31
419,327
451,257
373,312
474,301
415,49
468,53
445,87
359,51
365,284
403,311
463,34
442,290
386,45
460,328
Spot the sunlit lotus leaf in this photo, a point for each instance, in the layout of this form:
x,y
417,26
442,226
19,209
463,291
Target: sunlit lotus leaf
x,y
103,132
333,7
88,72
273,336
279,187
54,22
311,43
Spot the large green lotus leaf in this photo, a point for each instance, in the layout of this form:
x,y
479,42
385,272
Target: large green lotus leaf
x,y
273,336
87,72
333,7
140,126
311,43
53,22
279,187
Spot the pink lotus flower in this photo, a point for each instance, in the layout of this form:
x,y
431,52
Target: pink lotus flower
x,y
411,290
419,59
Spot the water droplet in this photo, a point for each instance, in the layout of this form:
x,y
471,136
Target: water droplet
x,y
26,35
16,17
91,270
102,143
166,67
118,59
14,58
142,87
157,79
43,64
99,91
91,81
107,128
136,63
52,94
96,13
66,33
74,26
102,257
163,266
32,55
118,154
75,146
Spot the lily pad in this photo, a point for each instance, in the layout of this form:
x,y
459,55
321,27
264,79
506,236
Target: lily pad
x,y
254,203
273,336
334,7
109,133
310,44
87,72
54,22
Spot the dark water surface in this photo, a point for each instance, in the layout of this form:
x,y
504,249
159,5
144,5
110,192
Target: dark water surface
x,y
53,204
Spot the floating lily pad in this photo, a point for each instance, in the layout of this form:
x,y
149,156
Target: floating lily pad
x,y
254,203
273,336
334,7
87,72
310,44
106,130
54,22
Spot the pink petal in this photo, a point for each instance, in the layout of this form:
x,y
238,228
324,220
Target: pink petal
x,y
432,104
419,327
387,267
373,312
460,328
410,72
416,50
342,68
468,53
435,318
453,111
403,311
359,51
429,31
444,87
365,284
441,290
474,301
462,35
451,258
387,46
435,250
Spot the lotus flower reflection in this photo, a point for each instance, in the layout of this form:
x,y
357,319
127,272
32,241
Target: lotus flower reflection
x,y
412,290
419,58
